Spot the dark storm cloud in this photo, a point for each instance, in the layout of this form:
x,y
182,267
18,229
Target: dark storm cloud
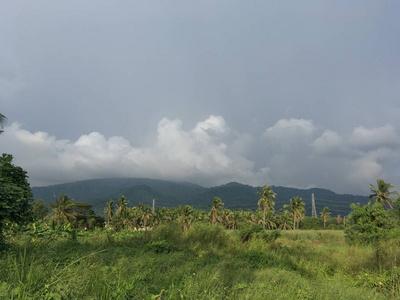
x,y
327,71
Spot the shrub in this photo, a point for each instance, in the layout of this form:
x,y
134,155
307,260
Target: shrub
x,y
268,236
368,224
257,231
311,223
206,236
160,246
247,232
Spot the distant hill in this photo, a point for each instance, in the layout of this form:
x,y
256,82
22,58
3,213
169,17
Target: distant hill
x,y
171,194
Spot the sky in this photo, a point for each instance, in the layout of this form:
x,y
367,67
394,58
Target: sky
x,y
290,93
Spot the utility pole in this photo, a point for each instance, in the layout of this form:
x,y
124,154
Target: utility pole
x,y
154,206
313,209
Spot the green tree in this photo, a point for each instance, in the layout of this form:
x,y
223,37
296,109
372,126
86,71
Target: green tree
x,y
162,214
216,210
184,215
122,214
325,215
122,206
381,193
15,193
368,224
60,213
39,209
297,208
267,202
109,210
145,215
285,219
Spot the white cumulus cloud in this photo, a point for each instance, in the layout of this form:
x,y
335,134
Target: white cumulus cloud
x,y
292,152
198,154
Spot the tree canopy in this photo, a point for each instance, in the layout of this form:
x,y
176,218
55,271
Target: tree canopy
x,y
15,192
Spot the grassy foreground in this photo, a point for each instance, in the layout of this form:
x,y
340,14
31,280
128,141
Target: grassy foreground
x,y
204,262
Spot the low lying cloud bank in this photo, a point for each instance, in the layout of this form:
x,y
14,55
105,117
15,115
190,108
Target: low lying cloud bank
x,y
292,152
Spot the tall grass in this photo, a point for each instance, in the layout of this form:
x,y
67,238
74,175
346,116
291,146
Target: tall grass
x,y
204,262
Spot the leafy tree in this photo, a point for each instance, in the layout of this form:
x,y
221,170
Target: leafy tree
x,y
78,214
368,224
297,208
15,192
311,223
325,215
267,197
381,193
39,209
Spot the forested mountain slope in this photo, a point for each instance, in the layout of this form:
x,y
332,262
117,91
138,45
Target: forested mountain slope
x,y
171,194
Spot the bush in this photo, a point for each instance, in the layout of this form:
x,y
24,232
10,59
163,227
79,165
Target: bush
x,y
248,231
161,246
257,231
368,224
268,236
311,223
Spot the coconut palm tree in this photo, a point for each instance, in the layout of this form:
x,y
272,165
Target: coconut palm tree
x,y
145,215
162,214
121,215
267,197
381,193
285,219
3,120
325,214
297,208
122,206
216,210
184,215
60,213
109,210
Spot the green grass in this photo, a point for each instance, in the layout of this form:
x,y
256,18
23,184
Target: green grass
x,y
205,262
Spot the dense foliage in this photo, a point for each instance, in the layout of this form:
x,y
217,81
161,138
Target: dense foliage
x,y
15,193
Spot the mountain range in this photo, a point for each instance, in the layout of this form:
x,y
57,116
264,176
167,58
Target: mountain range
x,y
171,194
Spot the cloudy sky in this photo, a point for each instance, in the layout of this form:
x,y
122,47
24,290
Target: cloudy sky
x,y
291,93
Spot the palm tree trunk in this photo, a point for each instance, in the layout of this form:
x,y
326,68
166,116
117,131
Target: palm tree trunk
x,y
265,212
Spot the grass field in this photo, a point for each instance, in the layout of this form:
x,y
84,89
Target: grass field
x,y
204,262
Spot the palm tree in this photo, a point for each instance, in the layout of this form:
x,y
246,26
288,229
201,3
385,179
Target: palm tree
x,y
216,209
381,194
60,213
109,211
325,214
162,214
184,215
3,120
267,197
296,207
121,215
145,214
285,220
121,207
339,219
